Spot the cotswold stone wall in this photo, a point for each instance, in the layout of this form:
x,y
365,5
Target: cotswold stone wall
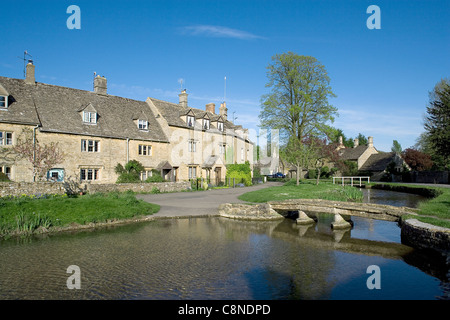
x,y
30,188
139,187
425,236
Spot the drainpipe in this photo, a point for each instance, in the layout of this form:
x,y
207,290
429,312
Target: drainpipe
x,y
34,152
128,150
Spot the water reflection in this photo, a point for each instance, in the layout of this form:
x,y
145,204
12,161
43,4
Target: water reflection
x,y
216,258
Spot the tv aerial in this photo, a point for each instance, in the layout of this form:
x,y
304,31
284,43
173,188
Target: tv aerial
x,y
25,54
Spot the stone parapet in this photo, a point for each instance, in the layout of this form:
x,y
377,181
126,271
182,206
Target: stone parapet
x,y
425,236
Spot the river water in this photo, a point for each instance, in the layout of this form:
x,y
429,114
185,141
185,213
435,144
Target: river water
x,y
218,258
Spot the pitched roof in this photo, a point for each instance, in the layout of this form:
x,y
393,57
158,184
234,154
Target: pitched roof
x,y
173,113
378,161
59,109
352,153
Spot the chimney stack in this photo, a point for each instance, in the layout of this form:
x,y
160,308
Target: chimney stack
x,y
211,107
183,98
30,79
370,142
100,85
355,142
223,110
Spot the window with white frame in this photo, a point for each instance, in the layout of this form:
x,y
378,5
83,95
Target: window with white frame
x,y
90,145
190,121
89,174
144,150
6,170
89,117
192,172
192,146
3,102
143,124
220,126
6,138
206,124
222,148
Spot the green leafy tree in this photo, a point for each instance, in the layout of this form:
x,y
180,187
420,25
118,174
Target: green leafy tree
x,y
396,147
437,121
298,103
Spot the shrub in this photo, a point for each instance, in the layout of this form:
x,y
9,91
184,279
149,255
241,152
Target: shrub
x,y
4,177
156,177
240,172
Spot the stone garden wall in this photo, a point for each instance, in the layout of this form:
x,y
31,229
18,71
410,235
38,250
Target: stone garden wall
x,y
147,187
40,188
30,188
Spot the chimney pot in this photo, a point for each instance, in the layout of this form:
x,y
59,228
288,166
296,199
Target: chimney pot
x,y
370,141
355,142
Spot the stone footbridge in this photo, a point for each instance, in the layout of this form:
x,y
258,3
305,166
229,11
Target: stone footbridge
x,y
309,208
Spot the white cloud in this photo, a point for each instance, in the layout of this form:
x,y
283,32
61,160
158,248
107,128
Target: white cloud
x,y
219,32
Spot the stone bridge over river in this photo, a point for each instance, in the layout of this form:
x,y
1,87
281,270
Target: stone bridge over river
x,y
308,208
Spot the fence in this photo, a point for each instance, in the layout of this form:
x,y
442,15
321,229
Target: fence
x,y
351,180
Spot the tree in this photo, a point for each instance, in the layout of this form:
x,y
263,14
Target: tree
x,y
320,153
362,140
396,147
42,157
417,160
298,102
437,121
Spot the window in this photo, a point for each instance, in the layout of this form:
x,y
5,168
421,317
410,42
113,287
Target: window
x,y
220,126
191,146
6,170
222,148
6,138
3,102
89,117
89,174
190,121
192,172
242,154
143,124
147,173
144,150
206,124
90,145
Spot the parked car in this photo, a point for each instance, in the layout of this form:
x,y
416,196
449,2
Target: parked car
x,y
278,175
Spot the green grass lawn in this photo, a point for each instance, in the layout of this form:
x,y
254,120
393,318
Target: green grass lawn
x,y
305,190
25,214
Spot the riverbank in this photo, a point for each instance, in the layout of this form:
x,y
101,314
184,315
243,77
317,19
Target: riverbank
x,y
54,213
435,211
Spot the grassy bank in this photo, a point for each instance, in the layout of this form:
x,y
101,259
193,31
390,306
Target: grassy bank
x,y
22,215
435,211
306,190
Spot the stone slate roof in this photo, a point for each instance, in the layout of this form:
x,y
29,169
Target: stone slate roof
x,y
378,162
173,113
59,109
352,153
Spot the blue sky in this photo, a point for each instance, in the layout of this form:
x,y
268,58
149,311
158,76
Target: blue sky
x,y
381,77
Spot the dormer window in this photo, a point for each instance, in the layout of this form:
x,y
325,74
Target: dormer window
x,y
190,121
206,124
4,102
143,124
220,126
89,117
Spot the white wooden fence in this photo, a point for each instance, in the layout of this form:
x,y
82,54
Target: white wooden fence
x,y
352,180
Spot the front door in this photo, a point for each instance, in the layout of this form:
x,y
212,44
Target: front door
x,y
218,171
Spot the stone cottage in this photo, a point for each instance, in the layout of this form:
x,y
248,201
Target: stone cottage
x,y
96,131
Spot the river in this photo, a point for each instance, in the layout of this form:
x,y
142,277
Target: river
x,y
218,258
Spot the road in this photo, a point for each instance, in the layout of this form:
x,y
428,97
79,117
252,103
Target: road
x,y
197,203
